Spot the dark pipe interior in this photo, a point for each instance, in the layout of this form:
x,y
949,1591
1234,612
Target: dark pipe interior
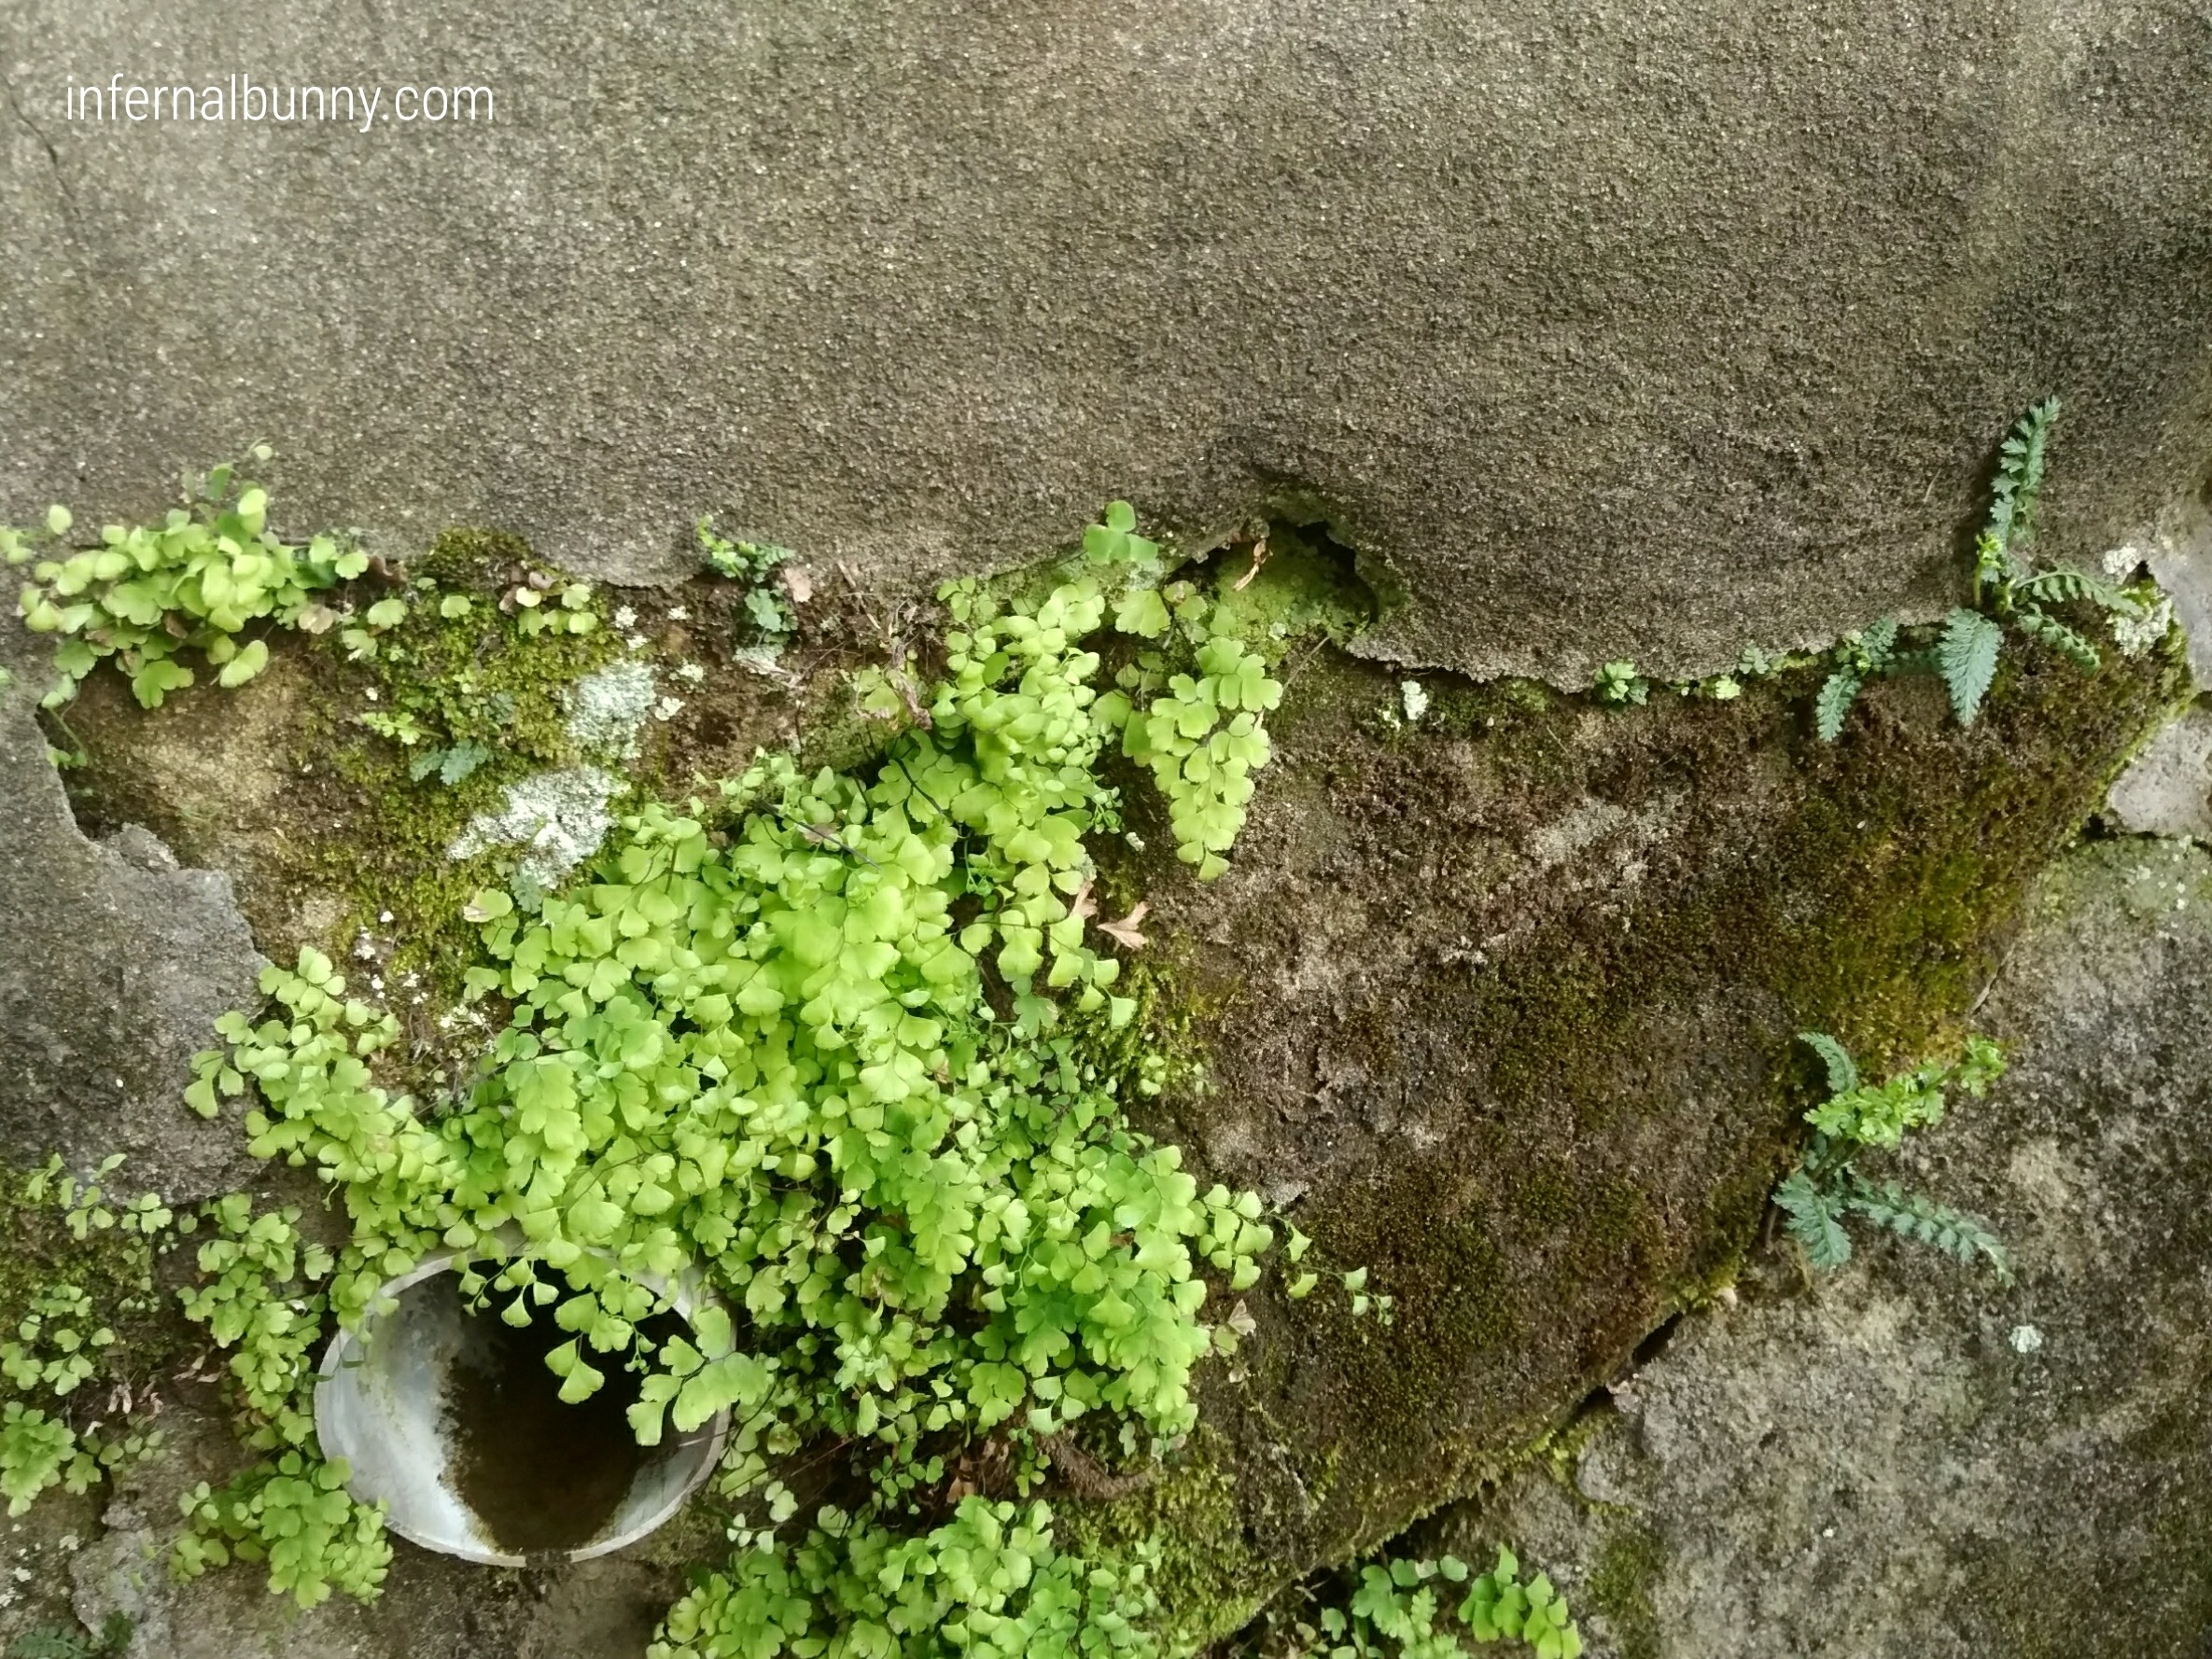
x,y
540,1475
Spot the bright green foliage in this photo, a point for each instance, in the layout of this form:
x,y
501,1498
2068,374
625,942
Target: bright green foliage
x,y
1203,740
989,1581
1618,684
198,582
37,1452
756,1043
1394,1613
1816,1196
574,613
256,1294
52,1349
1878,1115
1499,1607
295,1514
753,563
1199,728
2008,588
63,1337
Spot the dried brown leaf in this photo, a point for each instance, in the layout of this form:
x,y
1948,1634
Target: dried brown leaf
x,y
1125,932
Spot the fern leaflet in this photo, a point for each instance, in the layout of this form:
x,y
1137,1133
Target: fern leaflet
x,y
1968,655
1837,695
2055,633
2063,583
1843,1069
1910,1215
1812,1217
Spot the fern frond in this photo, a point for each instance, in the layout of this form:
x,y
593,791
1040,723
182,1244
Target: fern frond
x,y
1812,1214
1967,654
1837,694
1843,1069
2060,637
1877,642
2056,586
2020,476
1912,1215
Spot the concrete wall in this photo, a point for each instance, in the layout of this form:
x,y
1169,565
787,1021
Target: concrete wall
x,y
1608,329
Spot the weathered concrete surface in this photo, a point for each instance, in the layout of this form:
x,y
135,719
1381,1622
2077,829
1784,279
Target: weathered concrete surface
x,y
1606,329
2168,789
116,965
1911,1461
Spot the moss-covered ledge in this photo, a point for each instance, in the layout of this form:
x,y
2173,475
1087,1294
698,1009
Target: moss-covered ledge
x,y
1498,1006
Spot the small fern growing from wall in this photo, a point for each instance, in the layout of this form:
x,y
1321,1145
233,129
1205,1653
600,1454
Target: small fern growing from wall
x,y
1404,1608
2009,590
1825,1190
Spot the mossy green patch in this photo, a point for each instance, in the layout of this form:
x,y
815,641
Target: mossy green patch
x,y
1509,997
1189,1522
1631,1558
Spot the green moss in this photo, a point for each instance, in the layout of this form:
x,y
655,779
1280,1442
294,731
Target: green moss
x,y
1189,1522
1632,1556
1605,1090
1307,585
474,678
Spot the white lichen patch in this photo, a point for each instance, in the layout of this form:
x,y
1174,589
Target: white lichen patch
x,y
606,709
558,818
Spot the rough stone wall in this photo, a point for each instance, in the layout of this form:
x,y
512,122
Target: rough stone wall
x,y
1599,331
1604,330
1913,1460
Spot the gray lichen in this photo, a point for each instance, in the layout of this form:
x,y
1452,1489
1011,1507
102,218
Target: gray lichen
x,y
558,818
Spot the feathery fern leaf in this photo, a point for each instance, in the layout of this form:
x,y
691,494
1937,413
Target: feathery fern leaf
x,y
1878,641
1969,657
2055,633
2019,471
1843,1069
2053,587
1812,1216
1912,1215
1837,694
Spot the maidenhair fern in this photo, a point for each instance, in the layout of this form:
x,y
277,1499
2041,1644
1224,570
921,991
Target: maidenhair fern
x,y
1398,1610
209,580
2008,590
813,1040
1825,1189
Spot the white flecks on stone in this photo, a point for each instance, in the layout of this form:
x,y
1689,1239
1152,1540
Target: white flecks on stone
x,y
558,818
2026,1339
667,708
607,708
